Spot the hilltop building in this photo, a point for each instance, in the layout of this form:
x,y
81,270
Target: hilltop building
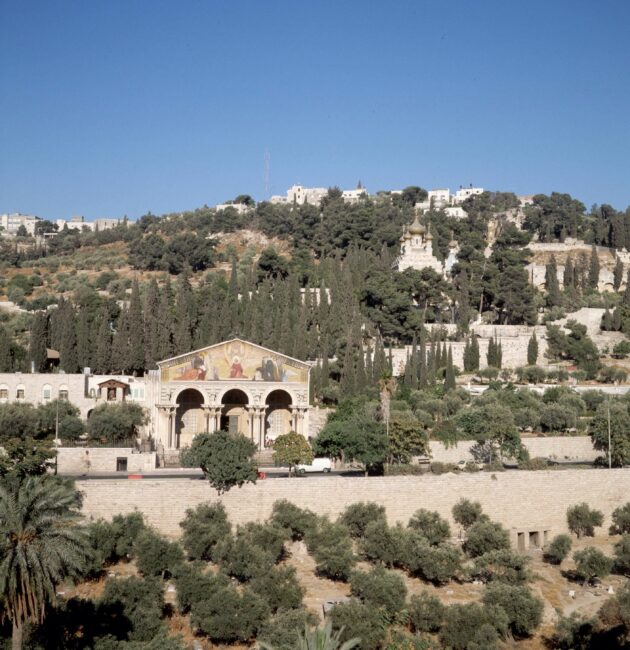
x,y
442,199
11,223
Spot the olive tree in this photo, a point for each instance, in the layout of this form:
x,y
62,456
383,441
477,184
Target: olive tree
x,y
582,521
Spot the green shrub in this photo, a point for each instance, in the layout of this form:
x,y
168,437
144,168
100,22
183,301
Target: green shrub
x,y
582,521
113,541
379,588
326,533
193,585
501,566
357,516
431,526
282,631
436,564
141,602
203,528
622,555
473,626
382,543
466,513
573,633
336,561
226,615
155,555
442,468
292,518
279,587
426,613
360,621
486,536
240,558
558,550
591,563
523,609
533,464
621,520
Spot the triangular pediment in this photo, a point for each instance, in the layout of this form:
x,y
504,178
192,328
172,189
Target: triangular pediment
x,y
235,359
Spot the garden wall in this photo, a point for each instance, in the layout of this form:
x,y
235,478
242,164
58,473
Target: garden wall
x,y
91,460
556,447
518,499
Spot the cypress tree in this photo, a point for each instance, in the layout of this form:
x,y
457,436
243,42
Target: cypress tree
x,y
474,353
593,270
183,315
102,356
407,377
84,350
618,275
380,361
136,360
120,344
6,358
68,360
152,323
361,377
532,350
413,361
498,351
626,294
422,360
466,357
491,356
233,285
38,352
449,376
616,319
324,377
568,278
551,282
165,331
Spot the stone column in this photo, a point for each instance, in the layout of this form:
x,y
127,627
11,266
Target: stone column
x,y
301,412
214,415
294,417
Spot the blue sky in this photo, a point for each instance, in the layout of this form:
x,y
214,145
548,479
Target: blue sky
x,y
120,107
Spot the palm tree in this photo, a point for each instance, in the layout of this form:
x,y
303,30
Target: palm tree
x,y
40,546
320,638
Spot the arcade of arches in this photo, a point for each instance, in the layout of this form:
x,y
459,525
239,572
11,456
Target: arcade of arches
x,y
255,392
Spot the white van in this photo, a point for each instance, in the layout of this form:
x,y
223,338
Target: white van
x,y
318,465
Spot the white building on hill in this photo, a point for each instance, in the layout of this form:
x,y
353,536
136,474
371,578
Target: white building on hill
x,y
416,249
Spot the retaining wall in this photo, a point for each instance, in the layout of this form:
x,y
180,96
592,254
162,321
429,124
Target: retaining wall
x,y
90,460
557,447
524,500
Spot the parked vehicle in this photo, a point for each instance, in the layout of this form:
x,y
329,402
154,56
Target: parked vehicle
x,y
318,465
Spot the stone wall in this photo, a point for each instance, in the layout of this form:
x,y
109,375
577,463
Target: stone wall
x,y
556,447
514,340
92,460
518,499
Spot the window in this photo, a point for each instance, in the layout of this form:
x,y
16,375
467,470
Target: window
x,y
46,393
19,394
4,393
63,394
137,392
121,464
111,394
233,424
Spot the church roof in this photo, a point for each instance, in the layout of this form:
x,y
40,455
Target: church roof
x,y
216,346
416,228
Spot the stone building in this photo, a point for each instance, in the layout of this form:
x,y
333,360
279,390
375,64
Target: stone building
x,y
416,249
234,385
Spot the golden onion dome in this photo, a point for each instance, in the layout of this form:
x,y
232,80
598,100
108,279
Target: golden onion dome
x,y
416,228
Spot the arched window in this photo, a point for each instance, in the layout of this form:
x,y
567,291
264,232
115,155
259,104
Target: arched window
x,y
19,392
4,392
63,393
46,393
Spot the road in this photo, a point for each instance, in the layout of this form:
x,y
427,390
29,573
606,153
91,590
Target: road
x,y
165,474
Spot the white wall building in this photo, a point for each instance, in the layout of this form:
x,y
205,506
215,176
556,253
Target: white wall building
x,y
354,196
300,195
240,208
10,223
464,193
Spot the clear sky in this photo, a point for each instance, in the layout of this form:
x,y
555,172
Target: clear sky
x,y
125,106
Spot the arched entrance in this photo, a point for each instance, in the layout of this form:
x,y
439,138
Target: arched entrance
x,y
278,415
188,417
234,416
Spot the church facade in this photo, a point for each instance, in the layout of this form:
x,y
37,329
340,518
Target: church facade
x,y
234,385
